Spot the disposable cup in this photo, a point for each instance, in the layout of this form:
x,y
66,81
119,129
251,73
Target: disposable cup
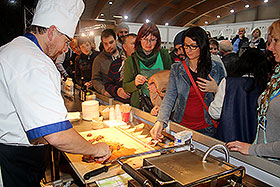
x,y
125,116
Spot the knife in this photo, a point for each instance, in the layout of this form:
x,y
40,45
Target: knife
x,y
98,171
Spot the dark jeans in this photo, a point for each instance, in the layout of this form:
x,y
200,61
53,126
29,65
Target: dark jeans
x,y
209,131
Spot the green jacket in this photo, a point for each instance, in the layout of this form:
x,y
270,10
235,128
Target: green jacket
x,y
129,75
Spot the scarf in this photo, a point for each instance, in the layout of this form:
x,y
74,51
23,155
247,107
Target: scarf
x,y
271,91
147,60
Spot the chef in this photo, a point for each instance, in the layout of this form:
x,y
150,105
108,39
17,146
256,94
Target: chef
x,y
32,112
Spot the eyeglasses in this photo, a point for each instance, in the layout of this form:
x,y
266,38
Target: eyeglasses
x,y
68,39
192,47
153,40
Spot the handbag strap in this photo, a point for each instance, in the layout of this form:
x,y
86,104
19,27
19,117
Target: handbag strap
x,y
197,92
136,73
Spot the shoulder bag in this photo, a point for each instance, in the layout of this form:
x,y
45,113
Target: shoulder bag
x,y
145,101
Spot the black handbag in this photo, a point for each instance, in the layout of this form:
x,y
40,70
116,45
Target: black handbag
x,y
145,101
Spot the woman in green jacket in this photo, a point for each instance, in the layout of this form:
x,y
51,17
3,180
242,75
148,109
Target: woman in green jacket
x,y
149,59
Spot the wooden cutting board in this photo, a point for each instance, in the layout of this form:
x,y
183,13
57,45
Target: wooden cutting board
x,y
111,134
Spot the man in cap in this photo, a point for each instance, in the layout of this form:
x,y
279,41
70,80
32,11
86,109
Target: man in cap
x,y
33,112
177,54
122,31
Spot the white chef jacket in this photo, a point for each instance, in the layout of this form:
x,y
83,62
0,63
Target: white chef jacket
x,y
30,97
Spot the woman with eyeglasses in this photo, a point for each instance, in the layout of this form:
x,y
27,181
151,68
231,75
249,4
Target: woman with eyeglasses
x,y
267,142
181,97
147,59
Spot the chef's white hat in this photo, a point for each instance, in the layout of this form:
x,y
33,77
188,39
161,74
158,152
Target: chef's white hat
x,y
64,14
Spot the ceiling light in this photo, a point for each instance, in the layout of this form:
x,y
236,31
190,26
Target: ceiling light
x,y
266,1
218,16
125,17
147,21
206,22
101,14
83,34
117,17
91,33
232,10
12,1
110,2
166,24
247,6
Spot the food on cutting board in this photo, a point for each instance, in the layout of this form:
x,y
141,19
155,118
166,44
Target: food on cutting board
x,y
131,129
117,150
142,136
96,139
140,127
124,127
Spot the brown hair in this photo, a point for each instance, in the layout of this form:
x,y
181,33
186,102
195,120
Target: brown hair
x,y
257,29
36,29
145,30
214,42
108,32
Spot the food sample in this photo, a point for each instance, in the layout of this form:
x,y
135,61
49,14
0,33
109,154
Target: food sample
x,y
117,150
140,127
131,130
124,127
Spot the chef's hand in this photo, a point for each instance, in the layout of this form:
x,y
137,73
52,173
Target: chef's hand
x,y
155,110
239,146
206,85
140,79
102,151
152,88
121,93
156,131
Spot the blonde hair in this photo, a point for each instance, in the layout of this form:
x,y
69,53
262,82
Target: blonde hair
x,y
275,26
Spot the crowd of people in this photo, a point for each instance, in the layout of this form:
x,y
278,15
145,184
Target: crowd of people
x,y
200,82
210,86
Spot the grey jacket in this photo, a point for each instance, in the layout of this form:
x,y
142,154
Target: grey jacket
x,y
272,148
178,89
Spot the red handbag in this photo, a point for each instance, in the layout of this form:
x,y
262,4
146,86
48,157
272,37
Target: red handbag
x,y
198,93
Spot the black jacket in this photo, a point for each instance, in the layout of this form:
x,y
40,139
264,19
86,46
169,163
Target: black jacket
x,y
83,66
229,61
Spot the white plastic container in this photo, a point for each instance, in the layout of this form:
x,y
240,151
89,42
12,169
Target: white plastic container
x,y
112,114
181,138
118,114
90,109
